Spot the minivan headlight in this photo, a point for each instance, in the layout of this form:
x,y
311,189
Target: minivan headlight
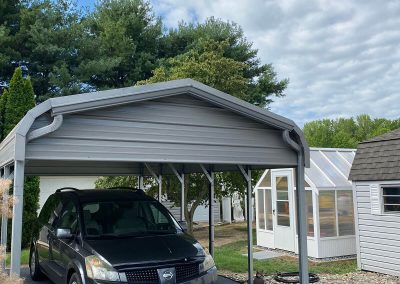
x,y
208,262
98,269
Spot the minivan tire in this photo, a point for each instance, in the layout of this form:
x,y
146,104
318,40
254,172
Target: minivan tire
x,y
75,279
34,268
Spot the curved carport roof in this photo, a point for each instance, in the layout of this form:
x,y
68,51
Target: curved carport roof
x,y
174,127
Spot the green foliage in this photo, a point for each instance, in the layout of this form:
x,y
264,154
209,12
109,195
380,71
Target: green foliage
x,y
262,81
31,205
20,100
125,36
346,132
3,103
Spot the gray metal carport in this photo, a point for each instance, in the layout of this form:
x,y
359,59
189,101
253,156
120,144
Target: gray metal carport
x,y
176,127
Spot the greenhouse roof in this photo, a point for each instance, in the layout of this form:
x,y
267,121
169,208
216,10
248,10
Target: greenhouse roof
x,y
330,167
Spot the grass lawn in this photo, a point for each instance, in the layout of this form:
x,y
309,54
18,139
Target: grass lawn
x,y
230,244
229,258
24,257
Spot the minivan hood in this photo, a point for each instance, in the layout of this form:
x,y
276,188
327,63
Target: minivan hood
x,y
144,249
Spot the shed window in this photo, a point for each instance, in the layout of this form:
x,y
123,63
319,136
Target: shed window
x,y
391,199
261,211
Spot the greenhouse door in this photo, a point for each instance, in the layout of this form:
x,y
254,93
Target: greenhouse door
x,y
284,234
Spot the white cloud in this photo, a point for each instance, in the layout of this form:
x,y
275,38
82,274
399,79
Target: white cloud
x,y
342,57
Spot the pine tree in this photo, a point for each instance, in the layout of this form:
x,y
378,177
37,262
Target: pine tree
x,y
3,101
20,100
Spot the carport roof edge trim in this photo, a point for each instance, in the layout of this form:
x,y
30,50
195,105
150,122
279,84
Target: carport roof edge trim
x,y
101,99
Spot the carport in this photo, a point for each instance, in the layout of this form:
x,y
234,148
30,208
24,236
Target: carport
x,y
171,128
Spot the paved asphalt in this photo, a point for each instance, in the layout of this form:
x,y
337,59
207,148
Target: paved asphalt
x,y
27,277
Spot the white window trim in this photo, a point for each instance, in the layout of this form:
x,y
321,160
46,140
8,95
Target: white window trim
x,y
381,201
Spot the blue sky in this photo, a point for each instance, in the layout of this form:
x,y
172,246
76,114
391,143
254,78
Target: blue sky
x,y
342,57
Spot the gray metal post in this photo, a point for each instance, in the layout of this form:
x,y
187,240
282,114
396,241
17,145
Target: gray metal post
x,y
247,177
16,232
302,221
159,187
4,219
141,185
182,197
249,228
211,231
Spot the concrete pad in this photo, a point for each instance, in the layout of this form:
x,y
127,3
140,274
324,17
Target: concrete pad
x,y
265,254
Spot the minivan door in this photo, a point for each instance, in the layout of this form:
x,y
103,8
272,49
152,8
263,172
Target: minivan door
x,y
62,248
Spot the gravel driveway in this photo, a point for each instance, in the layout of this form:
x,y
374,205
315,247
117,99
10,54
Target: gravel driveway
x,y
360,277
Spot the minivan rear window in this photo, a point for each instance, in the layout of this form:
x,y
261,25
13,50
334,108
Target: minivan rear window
x,y
121,218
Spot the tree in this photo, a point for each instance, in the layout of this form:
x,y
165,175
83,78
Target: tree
x,y
125,36
262,81
3,103
20,100
346,132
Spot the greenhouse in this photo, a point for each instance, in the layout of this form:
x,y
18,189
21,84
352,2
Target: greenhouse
x,y
329,204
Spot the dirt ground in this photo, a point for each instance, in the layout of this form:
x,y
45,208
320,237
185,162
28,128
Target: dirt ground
x,y
224,234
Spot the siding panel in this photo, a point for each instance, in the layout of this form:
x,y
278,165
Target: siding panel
x,y
379,235
178,129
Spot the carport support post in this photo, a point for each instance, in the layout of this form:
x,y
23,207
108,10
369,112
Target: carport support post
x,y
16,232
4,219
181,178
302,222
247,177
211,185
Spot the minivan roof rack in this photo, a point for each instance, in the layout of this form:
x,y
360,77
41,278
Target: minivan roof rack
x,y
67,188
126,187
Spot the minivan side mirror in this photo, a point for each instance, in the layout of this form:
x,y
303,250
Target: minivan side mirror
x,y
64,233
183,225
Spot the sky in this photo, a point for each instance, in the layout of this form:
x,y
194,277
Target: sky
x,y
341,57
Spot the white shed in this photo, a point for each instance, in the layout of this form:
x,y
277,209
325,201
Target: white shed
x,y
330,215
376,182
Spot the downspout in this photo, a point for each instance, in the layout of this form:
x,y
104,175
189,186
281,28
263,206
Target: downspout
x,y
37,133
301,208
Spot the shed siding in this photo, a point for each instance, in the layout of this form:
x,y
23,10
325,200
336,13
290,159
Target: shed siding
x,y
174,129
198,214
7,152
379,235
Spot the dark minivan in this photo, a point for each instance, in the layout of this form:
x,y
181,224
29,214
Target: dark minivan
x,y
114,236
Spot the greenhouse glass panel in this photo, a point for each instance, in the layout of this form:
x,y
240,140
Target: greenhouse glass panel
x,y
266,182
349,156
345,212
309,214
268,209
317,177
338,161
261,213
327,214
328,169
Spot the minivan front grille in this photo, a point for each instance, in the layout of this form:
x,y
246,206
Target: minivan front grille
x,y
142,276
186,271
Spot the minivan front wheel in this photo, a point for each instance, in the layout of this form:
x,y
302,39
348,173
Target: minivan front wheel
x,y
34,268
75,279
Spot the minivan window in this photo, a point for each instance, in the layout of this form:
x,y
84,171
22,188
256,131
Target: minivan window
x,y
50,211
68,218
126,218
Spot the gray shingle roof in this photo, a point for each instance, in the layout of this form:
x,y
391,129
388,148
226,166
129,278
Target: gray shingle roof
x,y
378,158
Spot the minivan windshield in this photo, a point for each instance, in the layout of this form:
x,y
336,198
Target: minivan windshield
x,y
121,218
